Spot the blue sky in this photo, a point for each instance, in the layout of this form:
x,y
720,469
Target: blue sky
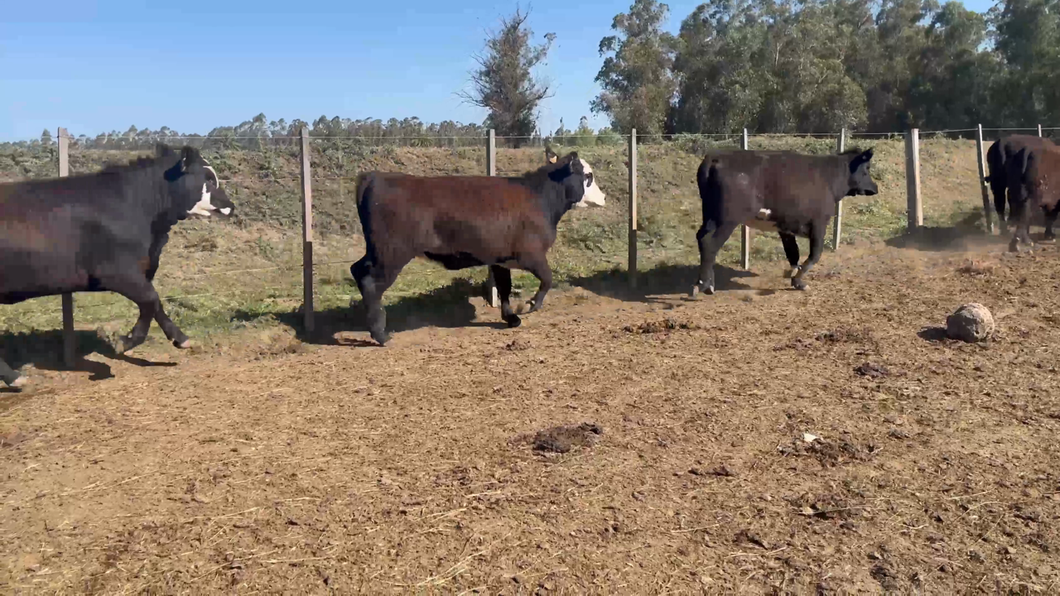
x,y
92,66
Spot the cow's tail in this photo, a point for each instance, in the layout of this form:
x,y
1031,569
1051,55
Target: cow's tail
x,y
709,192
365,188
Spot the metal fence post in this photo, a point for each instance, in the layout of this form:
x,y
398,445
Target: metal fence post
x,y
632,208
69,337
745,232
912,179
980,157
841,146
491,170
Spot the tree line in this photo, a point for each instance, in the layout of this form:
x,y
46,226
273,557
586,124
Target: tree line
x,y
805,66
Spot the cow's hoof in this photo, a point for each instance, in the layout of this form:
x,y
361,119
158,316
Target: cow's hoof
x,y
381,338
531,306
183,345
798,284
513,321
1049,239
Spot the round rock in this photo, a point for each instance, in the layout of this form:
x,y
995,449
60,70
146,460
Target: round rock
x,y
971,322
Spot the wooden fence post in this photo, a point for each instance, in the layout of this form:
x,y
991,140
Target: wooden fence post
x,y
914,205
980,156
837,231
69,338
491,170
307,233
745,232
632,208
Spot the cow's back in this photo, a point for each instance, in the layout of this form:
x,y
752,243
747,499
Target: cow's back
x,y
54,232
472,214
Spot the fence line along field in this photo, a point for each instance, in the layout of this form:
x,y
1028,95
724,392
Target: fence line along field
x,y
621,440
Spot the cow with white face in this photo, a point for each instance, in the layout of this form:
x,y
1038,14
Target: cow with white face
x,y
593,195
214,199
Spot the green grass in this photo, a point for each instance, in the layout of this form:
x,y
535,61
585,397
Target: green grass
x,y
218,278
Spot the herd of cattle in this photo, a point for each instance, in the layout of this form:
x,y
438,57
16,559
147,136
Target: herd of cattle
x,y
105,231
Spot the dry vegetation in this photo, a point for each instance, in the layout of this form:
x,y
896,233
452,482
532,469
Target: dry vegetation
x,y
760,440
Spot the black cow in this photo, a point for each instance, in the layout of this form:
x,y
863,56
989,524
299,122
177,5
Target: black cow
x,y
103,232
999,162
1033,175
461,222
790,193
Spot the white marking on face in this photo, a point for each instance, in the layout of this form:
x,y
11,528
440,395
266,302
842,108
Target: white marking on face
x,y
593,195
204,206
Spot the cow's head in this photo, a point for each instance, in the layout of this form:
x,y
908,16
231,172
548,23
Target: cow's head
x,y
568,172
592,195
194,185
859,180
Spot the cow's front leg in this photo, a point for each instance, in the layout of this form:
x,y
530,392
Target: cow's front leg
x,y
543,272
816,247
1050,219
140,291
791,250
173,333
502,277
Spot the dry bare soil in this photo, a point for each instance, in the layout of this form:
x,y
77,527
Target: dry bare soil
x,y
760,440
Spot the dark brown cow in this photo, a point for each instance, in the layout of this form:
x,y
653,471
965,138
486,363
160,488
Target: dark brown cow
x,y
998,161
790,193
1034,183
461,222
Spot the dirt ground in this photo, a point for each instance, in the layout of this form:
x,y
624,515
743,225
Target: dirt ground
x,y
760,440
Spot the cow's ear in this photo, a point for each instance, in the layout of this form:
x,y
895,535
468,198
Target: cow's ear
x,y
860,159
188,156
575,163
550,155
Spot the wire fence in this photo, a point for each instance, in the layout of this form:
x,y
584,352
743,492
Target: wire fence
x,y
232,273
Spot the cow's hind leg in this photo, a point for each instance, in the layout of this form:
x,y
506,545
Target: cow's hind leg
x,y
710,239
791,250
1022,233
373,279
10,376
816,247
998,186
502,277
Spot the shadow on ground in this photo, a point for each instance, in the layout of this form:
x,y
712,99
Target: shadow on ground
x,y
665,279
44,350
964,235
448,307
